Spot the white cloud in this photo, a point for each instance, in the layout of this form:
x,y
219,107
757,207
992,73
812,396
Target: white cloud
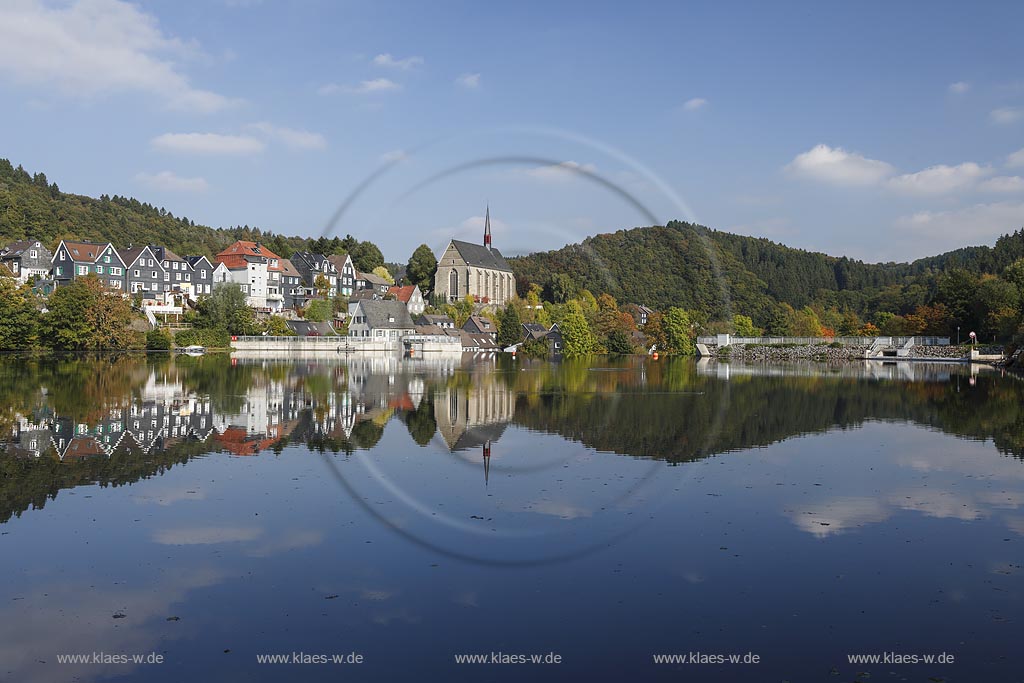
x,y
1003,183
563,171
392,156
470,81
168,181
387,60
695,103
959,88
206,535
940,179
208,143
96,47
1006,115
836,166
290,137
1016,159
968,225
365,87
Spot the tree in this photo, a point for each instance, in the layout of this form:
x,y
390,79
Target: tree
x,y
510,329
19,319
226,309
319,310
382,272
744,326
618,342
276,326
421,267
158,340
563,288
322,285
83,317
577,338
366,256
678,332
654,331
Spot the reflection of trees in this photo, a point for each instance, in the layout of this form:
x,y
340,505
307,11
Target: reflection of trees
x,y
421,423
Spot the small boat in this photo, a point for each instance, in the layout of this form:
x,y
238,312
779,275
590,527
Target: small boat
x,y
194,350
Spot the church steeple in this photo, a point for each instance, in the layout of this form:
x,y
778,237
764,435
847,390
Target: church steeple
x,y
487,227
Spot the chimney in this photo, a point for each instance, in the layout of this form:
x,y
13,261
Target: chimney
x,y
487,228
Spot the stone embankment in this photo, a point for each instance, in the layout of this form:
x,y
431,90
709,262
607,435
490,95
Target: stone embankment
x,y
830,352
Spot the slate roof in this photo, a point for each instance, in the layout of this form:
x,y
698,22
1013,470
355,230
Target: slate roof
x,y
379,315
481,257
440,320
288,268
306,328
164,254
375,280
17,248
338,260
193,260
130,254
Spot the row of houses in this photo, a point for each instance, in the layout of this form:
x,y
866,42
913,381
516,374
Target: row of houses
x,y
156,274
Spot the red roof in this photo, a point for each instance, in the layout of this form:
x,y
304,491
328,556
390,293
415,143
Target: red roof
x,y
403,294
235,255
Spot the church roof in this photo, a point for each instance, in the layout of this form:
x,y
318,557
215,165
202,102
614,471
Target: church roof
x,y
481,257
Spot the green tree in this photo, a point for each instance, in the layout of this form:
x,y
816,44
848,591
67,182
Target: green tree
x,y
83,318
421,268
509,327
744,326
276,326
158,340
19,319
225,309
322,285
619,343
563,288
678,332
577,338
319,310
366,256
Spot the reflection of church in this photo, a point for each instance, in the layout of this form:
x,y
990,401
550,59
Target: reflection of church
x,y
468,417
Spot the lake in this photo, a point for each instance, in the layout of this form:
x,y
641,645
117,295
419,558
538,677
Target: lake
x,y
254,520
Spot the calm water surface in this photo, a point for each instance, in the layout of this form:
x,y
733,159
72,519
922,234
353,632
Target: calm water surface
x,y
213,511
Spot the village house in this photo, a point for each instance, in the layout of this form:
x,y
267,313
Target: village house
x,y
467,269
26,258
410,296
552,336
144,272
384,319
370,281
202,274
442,321
311,266
346,273
477,324
295,294
78,259
257,270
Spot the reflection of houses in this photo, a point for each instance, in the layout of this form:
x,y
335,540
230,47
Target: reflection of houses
x,y
469,417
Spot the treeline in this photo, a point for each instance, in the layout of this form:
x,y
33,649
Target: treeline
x,y
784,291
32,207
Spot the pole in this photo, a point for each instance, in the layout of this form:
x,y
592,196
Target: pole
x,y
958,335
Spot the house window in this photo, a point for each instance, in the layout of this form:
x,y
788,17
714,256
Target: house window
x,y
154,275
63,256
83,270
58,271
115,271
136,273
99,270
33,253
106,259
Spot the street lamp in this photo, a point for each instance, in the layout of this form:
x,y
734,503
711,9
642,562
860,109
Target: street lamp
x,y
958,335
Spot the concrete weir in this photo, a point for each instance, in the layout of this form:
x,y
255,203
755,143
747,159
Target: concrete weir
x,y
306,347
916,348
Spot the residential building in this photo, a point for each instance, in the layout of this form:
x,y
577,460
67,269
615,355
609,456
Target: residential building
x,y
466,269
551,335
78,259
144,272
371,281
312,266
291,285
477,324
257,270
346,273
306,328
374,319
443,321
361,295
411,296
26,258
645,313
202,275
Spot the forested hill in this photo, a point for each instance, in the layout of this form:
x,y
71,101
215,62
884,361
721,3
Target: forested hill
x,y
31,207
679,265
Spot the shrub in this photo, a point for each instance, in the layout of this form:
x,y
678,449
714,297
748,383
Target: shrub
x,y
208,337
158,340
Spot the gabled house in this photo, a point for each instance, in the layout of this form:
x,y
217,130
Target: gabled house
x,y
346,273
144,274
202,270
645,314
361,295
295,294
477,324
374,282
551,335
375,319
73,259
312,266
411,296
443,321
26,258
467,269
257,270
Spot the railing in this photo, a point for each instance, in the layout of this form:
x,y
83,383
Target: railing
x,y
430,338
322,339
844,341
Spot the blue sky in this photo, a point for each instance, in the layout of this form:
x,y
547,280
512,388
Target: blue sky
x,y
878,130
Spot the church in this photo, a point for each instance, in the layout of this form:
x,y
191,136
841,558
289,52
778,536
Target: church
x,y
470,269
